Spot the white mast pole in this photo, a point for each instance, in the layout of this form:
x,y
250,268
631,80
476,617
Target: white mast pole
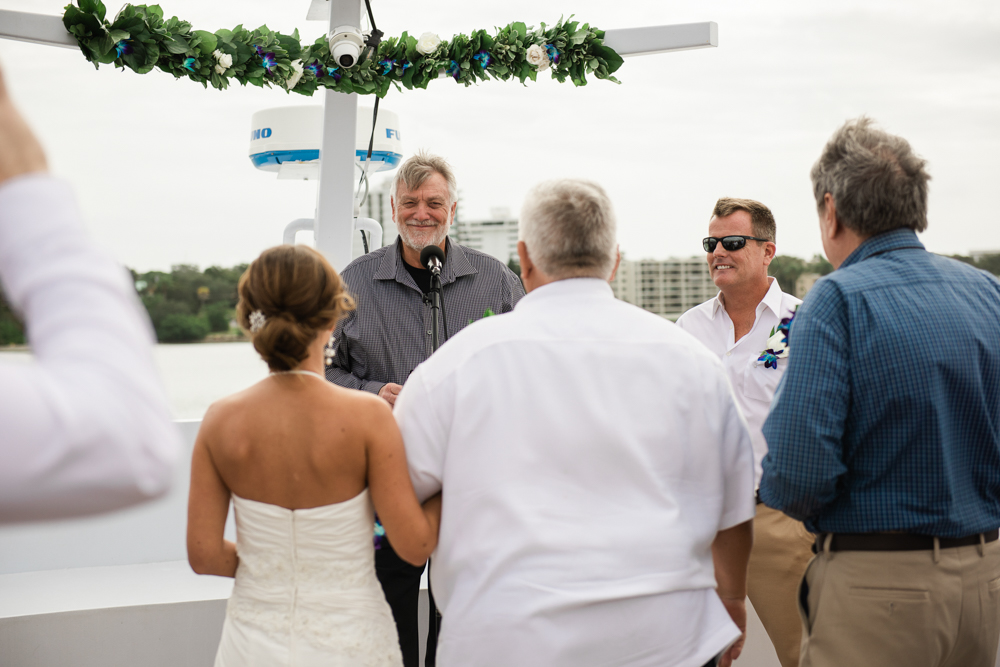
x,y
335,196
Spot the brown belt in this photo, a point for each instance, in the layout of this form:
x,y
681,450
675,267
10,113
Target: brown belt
x,y
897,541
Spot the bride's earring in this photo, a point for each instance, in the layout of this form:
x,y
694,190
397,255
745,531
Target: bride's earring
x,y
329,352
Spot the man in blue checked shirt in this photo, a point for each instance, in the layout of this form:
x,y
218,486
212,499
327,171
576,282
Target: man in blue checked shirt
x,y
884,436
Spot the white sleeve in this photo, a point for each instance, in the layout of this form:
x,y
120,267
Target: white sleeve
x,y
84,428
418,414
738,504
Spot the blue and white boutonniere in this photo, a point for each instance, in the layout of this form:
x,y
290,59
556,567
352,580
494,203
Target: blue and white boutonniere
x,y
777,342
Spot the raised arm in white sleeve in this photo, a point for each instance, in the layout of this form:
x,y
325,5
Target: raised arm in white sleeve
x,y
84,428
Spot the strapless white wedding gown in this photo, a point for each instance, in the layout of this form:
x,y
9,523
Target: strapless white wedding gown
x,y
306,592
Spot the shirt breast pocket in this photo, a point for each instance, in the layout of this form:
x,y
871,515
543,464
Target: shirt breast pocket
x,y
759,382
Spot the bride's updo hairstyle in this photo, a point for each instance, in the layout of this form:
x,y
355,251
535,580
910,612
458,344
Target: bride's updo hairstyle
x,y
299,295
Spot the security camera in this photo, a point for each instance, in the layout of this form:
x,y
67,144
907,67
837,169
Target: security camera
x,y
346,44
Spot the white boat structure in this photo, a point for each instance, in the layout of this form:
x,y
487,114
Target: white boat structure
x,y
116,590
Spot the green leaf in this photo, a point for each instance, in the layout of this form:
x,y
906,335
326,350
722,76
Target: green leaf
x,y
209,42
610,56
104,44
520,29
176,45
93,7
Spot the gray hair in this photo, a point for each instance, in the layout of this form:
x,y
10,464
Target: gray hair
x,y
877,182
569,228
416,169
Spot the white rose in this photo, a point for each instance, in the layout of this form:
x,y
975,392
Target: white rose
x,y
296,74
538,57
428,43
225,61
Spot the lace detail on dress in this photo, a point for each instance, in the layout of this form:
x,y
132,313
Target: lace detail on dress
x,y
309,576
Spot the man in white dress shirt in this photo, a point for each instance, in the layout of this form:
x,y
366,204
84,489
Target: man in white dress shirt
x,y
736,326
85,427
592,459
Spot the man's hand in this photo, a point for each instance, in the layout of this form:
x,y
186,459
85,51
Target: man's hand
x,y
389,392
731,553
20,152
737,609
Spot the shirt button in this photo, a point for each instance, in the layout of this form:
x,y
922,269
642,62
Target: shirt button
x,y
729,354
428,333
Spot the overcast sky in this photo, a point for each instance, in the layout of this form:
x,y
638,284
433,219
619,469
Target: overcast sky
x,y
161,170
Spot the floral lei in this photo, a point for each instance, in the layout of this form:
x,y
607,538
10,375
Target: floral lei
x,y
139,38
777,342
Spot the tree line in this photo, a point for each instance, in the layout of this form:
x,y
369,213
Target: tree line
x,y
184,305
187,305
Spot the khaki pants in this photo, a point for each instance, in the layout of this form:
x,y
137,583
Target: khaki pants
x,y
782,549
877,608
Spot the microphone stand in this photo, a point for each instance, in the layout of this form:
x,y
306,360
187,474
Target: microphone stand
x,y
435,297
434,264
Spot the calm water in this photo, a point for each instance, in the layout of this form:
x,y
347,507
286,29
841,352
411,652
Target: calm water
x,y
195,375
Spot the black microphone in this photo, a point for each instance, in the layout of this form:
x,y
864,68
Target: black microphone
x,y
432,258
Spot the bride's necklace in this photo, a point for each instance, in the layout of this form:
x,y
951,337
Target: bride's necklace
x,y
299,373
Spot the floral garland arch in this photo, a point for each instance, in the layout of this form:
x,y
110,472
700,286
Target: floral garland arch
x,y
139,38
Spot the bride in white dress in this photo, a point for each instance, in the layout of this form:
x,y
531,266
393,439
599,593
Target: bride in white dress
x,y
304,462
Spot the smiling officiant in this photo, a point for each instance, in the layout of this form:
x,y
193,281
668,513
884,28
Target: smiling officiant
x,y
389,333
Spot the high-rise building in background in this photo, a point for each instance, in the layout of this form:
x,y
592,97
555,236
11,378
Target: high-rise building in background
x,y
977,255
378,207
666,287
496,236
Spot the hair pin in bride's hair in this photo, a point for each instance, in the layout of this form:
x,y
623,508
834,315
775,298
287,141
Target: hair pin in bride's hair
x,y
257,320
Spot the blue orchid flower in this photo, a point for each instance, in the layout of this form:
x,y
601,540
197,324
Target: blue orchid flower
x,y
484,59
387,65
269,61
188,64
122,48
406,65
379,534
332,71
315,68
453,70
770,359
553,53
260,51
786,325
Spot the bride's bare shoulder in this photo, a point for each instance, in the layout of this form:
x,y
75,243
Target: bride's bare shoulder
x,y
232,406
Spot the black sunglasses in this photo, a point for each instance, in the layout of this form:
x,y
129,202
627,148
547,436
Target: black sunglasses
x,y
730,243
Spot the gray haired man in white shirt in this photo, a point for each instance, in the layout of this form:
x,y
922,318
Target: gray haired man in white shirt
x,y
592,460
739,326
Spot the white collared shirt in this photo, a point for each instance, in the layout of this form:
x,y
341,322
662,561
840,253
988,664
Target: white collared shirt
x,y
589,452
753,383
85,426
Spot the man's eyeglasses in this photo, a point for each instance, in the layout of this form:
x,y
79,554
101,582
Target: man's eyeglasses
x,y
730,243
